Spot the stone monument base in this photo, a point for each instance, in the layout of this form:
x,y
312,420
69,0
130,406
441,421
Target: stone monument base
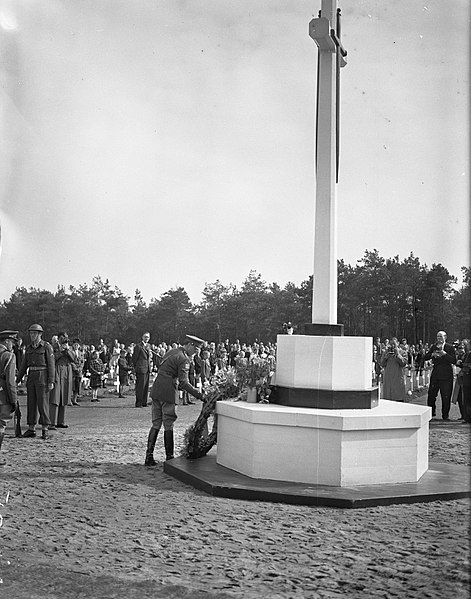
x,y
441,482
386,444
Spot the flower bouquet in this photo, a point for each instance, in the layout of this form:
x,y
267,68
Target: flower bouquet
x,y
255,374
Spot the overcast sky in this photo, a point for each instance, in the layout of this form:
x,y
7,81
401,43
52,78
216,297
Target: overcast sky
x,y
164,143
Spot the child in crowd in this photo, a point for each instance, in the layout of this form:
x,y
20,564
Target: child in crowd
x,y
123,372
97,369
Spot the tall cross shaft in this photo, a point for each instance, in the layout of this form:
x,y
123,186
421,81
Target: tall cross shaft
x,y
325,31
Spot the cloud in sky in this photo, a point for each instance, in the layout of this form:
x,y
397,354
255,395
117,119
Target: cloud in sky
x,y
172,143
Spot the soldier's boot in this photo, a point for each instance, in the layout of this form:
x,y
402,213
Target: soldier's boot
x,y
152,438
168,443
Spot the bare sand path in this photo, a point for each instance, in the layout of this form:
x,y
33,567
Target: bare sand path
x,y
83,518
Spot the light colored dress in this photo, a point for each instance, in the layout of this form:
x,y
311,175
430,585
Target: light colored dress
x,y
394,387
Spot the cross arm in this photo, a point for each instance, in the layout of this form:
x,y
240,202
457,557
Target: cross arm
x,y
319,30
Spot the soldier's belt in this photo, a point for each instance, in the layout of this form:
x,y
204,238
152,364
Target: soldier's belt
x,y
37,367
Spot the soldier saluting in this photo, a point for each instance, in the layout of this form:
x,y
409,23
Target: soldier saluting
x,y
39,362
8,396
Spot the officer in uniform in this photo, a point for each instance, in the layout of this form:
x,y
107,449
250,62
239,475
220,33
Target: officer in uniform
x,y
39,362
172,376
8,396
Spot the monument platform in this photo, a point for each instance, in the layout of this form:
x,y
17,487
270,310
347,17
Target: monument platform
x,y
383,445
441,482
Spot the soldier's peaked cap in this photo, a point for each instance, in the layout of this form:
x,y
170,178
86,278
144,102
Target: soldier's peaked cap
x,y
196,341
9,335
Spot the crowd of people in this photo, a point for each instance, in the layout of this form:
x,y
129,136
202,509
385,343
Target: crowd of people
x,y
448,365
59,372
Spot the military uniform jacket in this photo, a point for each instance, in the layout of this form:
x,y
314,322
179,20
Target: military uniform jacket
x,y
40,356
7,378
172,376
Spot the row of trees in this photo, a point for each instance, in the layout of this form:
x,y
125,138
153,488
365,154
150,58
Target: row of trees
x,y
377,297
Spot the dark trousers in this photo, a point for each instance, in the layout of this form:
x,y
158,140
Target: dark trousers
x,y
445,387
76,384
142,388
37,398
464,401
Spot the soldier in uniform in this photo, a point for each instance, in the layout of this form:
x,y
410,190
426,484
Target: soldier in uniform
x,y
39,362
8,396
172,376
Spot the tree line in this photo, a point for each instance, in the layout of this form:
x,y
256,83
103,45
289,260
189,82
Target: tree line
x,y
376,297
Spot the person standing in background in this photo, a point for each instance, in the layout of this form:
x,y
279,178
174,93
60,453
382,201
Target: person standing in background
x,y
393,360
8,397
443,357
77,370
39,362
61,395
142,362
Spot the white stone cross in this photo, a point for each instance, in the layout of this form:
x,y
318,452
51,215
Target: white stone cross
x,y
325,31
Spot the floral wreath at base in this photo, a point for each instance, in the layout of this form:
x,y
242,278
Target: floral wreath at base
x,y
230,384
197,439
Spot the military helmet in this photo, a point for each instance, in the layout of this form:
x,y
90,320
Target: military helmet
x,y
36,327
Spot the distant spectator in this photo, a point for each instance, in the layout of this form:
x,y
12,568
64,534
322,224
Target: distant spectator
x,y
443,357
97,370
115,353
142,362
77,371
123,373
61,395
205,368
377,353
287,328
393,360
105,357
464,380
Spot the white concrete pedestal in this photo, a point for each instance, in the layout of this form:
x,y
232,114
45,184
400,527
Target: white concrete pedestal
x,y
324,362
385,444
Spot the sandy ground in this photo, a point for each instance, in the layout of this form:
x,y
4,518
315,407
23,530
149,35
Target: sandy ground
x,y
83,518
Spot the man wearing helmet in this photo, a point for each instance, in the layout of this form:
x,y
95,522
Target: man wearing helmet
x,y
39,362
8,397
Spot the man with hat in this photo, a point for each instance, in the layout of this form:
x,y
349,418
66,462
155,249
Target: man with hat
x,y
39,362
8,396
172,376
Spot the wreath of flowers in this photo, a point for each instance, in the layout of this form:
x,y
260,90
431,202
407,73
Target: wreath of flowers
x,y
198,440
229,384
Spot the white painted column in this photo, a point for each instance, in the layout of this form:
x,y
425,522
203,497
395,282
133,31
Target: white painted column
x,y
324,304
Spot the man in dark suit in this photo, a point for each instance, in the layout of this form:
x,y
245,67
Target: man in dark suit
x,y
142,362
443,357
